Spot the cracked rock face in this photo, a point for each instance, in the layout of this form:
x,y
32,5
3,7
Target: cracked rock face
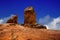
x,y
13,19
29,16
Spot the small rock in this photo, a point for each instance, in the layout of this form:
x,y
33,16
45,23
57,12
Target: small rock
x,y
13,19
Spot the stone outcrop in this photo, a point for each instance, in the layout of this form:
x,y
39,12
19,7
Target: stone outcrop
x,y
30,18
13,19
29,15
12,31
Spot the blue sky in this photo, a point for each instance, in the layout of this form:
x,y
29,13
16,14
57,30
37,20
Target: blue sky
x,y
43,8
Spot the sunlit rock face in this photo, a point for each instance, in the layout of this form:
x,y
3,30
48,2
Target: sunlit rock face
x,y
13,19
30,30
30,18
11,31
29,15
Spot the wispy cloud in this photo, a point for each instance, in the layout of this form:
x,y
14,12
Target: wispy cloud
x,y
51,23
1,21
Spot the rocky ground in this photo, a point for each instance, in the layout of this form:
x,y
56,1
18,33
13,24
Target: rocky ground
x,y
10,31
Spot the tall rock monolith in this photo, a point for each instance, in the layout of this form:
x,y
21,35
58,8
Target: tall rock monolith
x,y
30,18
29,15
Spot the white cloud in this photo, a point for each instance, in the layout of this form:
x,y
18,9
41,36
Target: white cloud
x,y
45,20
51,23
1,21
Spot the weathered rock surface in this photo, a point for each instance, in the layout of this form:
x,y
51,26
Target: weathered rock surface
x,y
38,26
29,15
17,32
13,19
30,30
30,19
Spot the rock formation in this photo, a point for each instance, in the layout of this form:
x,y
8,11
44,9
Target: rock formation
x,y
29,15
30,18
12,31
13,19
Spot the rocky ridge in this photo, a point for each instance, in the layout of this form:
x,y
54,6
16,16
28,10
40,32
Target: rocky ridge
x,y
11,31
30,30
